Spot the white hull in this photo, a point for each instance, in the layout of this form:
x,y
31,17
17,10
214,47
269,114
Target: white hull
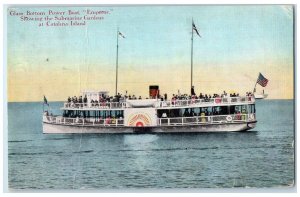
x,y
260,96
222,127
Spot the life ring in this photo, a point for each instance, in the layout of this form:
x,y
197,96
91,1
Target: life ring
x,y
228,118
251,116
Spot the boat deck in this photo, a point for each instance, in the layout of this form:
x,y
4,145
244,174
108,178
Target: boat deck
x,y
178,121
161,104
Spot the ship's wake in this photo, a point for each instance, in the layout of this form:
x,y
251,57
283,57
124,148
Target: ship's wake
x,y
139,141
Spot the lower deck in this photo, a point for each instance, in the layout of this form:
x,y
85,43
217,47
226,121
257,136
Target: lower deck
x,y
218,123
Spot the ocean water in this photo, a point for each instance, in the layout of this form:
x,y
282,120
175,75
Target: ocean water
x,y
259,158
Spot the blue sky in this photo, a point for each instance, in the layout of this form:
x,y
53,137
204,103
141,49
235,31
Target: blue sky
x,y
158,42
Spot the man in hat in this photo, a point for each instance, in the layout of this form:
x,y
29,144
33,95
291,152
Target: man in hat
x,y
193,91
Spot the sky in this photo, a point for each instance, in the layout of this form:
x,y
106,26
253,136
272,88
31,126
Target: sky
x,y
237,42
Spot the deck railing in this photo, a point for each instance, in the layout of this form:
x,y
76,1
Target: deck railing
x,y
196,120
161,104
218,100
199,120
83,121
100,105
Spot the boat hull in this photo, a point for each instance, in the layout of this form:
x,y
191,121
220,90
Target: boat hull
x,y
219,127
260,96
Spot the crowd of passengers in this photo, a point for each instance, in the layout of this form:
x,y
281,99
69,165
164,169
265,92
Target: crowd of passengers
x,y
102,99
120,98
204,112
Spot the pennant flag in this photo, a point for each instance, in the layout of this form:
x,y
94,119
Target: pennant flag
x,y
120,34
195,29
262,80
45,101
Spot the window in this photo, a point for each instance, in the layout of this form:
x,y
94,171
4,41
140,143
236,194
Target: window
x,y
244,109
252,109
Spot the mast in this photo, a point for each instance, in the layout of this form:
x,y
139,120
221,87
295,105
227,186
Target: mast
x,y
192,55
117,61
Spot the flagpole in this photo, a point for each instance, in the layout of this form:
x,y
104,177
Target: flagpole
x,y
254,90
117,61
192,55
44,104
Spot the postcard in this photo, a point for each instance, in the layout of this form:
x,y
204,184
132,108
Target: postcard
x,y
151,97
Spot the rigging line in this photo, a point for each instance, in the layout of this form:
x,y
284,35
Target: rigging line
x,y
85,59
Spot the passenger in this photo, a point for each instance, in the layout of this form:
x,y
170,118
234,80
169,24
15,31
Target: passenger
x,y
164,115
80,101
206,112
238,116
192,113
193,91
113,121
218,99
92,102
203,119
193,99
206,98
186,113
103,103
243,114
107,121
165,96
174,100
201,96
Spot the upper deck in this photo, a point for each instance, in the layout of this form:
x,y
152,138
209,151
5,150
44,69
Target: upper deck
x,y
156,103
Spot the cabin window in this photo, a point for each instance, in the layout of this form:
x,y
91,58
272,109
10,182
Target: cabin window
x,y
197,111
252,109
186,112
174,113
244,109
119,114
203,110
220,110
232,109
160,113
208,111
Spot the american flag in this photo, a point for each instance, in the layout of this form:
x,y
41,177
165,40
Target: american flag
x,y
262,80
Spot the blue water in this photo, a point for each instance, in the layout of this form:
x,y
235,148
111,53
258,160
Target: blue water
x,y
263,157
